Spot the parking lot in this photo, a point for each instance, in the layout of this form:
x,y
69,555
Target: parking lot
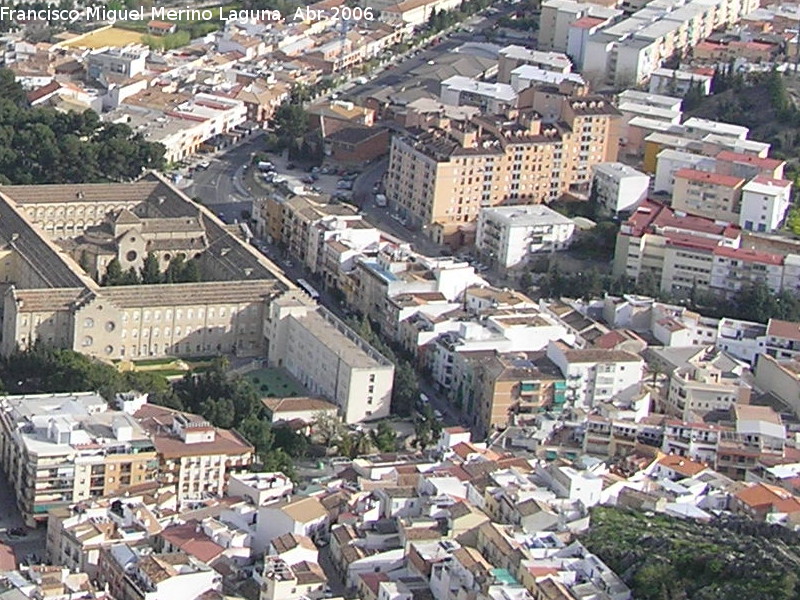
x,y
326,180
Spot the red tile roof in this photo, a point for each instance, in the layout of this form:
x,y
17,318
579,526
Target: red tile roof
x,y
705,177
651,215
784,329
682,465
374,580
588,22
695,242
750,159
762,496
747,255
191,539
770,181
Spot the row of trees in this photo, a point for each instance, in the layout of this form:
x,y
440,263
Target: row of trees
x,y
179,270
405,390
43,145
442,19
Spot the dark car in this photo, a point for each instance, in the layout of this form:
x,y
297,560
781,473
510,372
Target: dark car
x,y
291,166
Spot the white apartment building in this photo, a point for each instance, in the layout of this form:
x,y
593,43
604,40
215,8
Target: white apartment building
x,y
508,236
58,449
492,98
765,202
617,187
329,358
626,53
127,61
513,57
558,16
670,161
596,375
677,81
733,269
260,488
701,387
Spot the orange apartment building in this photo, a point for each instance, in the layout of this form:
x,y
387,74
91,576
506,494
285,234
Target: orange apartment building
x,y
440,179
711,195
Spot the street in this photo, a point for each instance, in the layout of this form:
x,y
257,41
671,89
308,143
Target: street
x,y
34,540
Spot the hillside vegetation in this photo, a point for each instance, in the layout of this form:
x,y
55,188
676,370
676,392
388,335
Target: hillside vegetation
x,y
763,102
662,558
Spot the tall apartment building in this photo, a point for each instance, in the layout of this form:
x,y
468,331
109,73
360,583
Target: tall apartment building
x,y
192,454
441,178
558,16
625,53
329,358
58,449
617,187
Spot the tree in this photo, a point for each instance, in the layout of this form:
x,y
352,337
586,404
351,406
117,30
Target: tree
x,y
258,432
327,428
42,145
151,272
405,390
384,437
291,442
290,123
113,275
277,461
11,90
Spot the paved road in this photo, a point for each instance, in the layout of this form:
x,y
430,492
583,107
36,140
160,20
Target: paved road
x,y
10,518
223,182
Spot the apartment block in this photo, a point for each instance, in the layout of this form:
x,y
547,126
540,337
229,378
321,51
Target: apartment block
x,y
58,449
509,236
617,187
710,195
193,455
512,57
675,250
594,375
734,269
492,98
765,203
440,179
670,161
558,16
626,53
329,358
512,387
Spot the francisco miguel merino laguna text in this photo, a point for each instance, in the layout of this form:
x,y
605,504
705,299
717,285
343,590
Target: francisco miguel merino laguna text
x,y
101,13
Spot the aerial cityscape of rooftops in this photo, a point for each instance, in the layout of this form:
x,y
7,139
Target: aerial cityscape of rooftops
x,y
400,300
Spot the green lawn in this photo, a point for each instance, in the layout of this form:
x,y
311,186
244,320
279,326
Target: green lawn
x,y
275,383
